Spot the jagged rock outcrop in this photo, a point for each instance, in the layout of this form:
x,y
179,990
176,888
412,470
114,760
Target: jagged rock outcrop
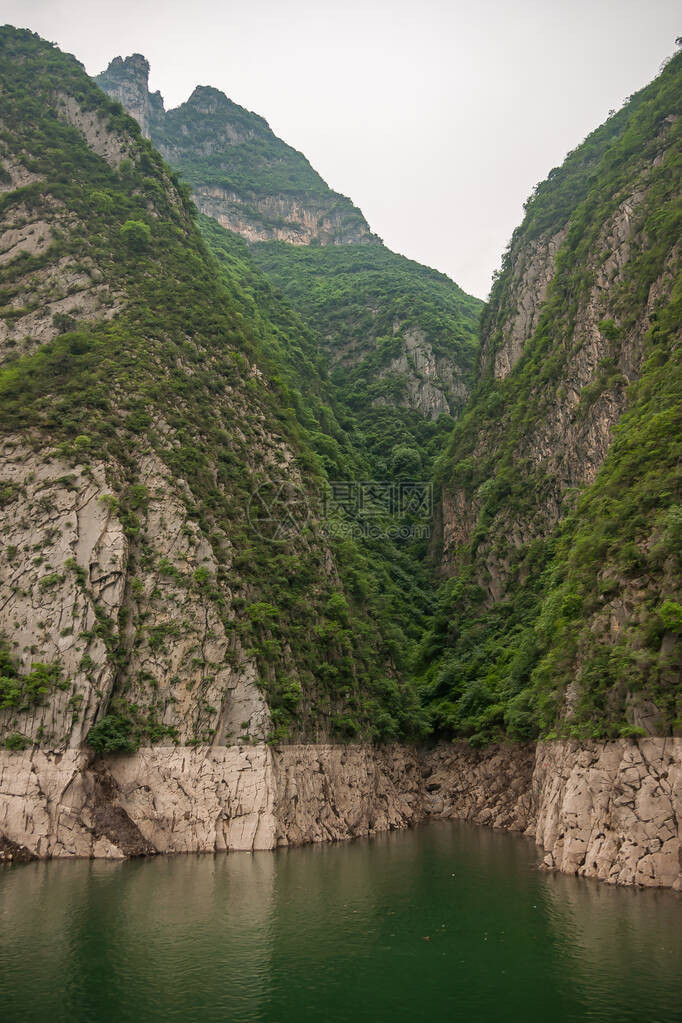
x,y
333,792
128,82
610,811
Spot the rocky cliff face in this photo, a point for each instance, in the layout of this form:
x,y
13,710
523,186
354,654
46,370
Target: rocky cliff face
x,y
532,267
54,604
567,444
611,811
548,561
277,217
607,811
434,385
241,174
128,82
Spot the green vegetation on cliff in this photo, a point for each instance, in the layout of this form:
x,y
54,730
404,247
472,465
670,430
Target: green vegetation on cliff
x,y
194,360
231,148
569,627
391,571
133,332
396,333
233,160
378,357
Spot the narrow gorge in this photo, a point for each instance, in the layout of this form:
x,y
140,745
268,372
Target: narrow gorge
x,y
201,343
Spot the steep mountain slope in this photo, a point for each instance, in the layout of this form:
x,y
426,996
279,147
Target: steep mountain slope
x,y
561,486
397,333
241,174
400,334
143,403
381,545
399,339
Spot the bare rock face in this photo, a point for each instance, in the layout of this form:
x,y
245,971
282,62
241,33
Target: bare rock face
x,y
242,798
66,587
65,566
434,385
328,793
489,786
158,800
127,80
339,792
111,147
609,811
278,218
533,269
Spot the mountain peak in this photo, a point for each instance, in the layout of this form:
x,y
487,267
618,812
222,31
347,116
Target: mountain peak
x,y
207,94
135,63
241,173
127,80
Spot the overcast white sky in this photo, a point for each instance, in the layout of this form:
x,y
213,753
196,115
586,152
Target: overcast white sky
x,y
436,117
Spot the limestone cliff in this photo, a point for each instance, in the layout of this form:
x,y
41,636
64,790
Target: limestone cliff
x,y
611,811
128,82
607,811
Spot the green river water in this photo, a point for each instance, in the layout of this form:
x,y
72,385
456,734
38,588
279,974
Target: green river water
x,y
446,922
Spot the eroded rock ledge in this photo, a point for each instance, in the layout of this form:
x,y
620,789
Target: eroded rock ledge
x,y
610,810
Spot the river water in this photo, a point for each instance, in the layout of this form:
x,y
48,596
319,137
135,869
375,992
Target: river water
x,y
446,922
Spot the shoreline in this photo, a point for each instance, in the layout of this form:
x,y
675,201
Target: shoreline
x,y
605,810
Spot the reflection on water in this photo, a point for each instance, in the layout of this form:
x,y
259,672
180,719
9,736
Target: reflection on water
x,y
626,939
447,922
